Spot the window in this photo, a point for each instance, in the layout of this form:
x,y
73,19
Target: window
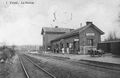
x,y
67,44
90,42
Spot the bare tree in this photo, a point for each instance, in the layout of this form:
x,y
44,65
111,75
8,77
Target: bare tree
x,y
111,36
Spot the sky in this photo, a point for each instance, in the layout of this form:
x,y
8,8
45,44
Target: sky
x,y
21,24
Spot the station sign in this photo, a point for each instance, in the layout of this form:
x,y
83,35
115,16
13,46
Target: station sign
x,y
90,34
76,39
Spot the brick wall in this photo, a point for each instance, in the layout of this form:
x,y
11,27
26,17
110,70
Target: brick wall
x,y
83,38
47,38
84,45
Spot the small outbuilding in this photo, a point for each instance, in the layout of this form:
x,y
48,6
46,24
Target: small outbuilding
x,y
110,46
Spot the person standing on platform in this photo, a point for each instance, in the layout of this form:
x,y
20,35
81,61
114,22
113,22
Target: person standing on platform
x,y
67,50
63,51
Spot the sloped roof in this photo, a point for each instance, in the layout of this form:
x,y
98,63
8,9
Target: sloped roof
x,y
51,29
112,41
77,31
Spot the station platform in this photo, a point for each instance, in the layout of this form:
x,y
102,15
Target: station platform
x,y
106,58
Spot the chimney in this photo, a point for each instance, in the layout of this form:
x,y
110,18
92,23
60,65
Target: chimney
x,y
88,22
56,26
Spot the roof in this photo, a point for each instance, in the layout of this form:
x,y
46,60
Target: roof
x,y
77,31
112,41
56,29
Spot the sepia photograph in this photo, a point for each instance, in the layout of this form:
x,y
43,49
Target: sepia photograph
x,y
59,38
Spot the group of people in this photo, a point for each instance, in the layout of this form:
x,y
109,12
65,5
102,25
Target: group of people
x,y
63,50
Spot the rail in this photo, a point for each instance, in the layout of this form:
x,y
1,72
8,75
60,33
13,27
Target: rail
x,y
25,71
38,66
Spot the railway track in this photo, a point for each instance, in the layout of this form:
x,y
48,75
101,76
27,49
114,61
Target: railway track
x,y
33,70
107,73
89,63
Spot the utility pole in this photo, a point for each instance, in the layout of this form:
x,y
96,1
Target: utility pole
x,y
71,17
54,14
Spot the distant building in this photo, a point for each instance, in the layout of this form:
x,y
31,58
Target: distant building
x,y
50,33
78,41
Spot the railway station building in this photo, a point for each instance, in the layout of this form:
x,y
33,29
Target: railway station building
x,y
77,41
50,33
